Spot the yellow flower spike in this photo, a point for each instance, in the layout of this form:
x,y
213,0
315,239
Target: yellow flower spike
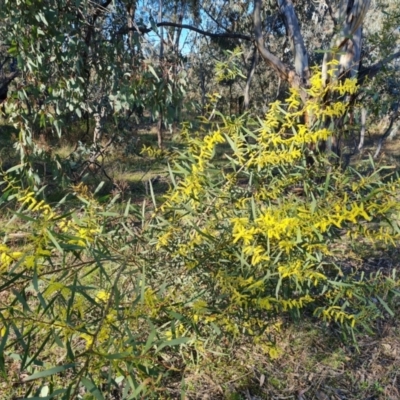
x,y
245,234
111,317
102,296
16,255
362,212
27,197
29,262
32,205
3,248
88,339
5,260
38,206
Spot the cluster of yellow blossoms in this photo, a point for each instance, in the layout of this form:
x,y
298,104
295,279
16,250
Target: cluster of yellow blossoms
x,y
261,245
41,238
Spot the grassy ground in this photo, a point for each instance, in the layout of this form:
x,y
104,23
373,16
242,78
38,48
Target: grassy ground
x,y
314,360
314,364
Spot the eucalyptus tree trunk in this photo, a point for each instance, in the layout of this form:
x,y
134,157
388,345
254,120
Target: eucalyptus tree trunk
x,y
175,47
362,131
130,16
346,43
250,74
160,116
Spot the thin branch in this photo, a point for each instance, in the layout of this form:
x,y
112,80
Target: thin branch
x,y
93,158
371,71
231,35
216,22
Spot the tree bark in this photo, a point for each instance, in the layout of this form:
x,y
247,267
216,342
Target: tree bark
x,y
362,132
273,61
160,117
160,17
250,74
393,117
130,15
347,41
296,40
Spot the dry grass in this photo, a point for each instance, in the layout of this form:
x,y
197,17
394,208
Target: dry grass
x,y
314,364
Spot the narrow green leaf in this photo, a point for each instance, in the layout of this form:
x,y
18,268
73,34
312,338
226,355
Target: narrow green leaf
x,y
99,186
55,394
53,239
39,350
70,352
49,372
215,328
173,342
153,198
278,287
150,340
385,306
126,212
151,69
20,297
138,390
2,346
171,175
92,388
117,356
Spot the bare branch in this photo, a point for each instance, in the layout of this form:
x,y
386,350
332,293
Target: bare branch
x,y
231,35
371,71
216,21
281,68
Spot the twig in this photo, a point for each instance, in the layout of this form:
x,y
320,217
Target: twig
x,y
237,379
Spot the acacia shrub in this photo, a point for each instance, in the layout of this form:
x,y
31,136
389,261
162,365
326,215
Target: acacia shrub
x,y
262,233
77,318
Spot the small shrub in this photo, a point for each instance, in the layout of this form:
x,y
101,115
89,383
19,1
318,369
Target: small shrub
x,y
261,236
